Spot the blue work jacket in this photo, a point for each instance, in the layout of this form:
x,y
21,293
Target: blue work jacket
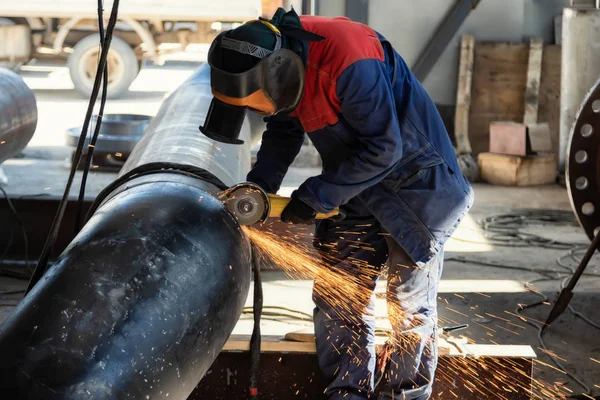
x,y
384,147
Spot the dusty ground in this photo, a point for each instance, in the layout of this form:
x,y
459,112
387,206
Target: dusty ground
x,y
471,291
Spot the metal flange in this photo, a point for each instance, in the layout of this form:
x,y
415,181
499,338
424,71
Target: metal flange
x,y
583,164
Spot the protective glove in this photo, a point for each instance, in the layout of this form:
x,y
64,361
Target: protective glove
x,y
298,212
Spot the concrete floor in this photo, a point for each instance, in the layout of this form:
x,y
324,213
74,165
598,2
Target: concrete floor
x,y
468,291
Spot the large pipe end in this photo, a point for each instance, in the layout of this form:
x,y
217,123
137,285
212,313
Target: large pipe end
x,y
140,304
18,114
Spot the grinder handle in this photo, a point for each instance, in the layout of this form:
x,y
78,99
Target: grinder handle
x,y
279,203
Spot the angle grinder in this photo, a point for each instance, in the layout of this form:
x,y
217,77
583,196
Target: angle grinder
x,y
251,205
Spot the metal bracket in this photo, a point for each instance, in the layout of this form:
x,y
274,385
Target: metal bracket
x,y
444,34
64,30
358,10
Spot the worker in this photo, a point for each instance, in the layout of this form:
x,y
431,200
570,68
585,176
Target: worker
x,y
388,164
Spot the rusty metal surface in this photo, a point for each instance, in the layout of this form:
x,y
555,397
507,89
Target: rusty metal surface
x,y
18,114
583,163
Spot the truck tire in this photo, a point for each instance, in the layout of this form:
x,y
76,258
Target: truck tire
x,y
123,66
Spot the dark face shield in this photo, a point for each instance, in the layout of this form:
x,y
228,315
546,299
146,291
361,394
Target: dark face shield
x,y
275,85
224,122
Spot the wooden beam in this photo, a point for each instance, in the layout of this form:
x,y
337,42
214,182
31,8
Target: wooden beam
x,y
463,97
305,344
485,372
499,84
505,170
534,76
443,35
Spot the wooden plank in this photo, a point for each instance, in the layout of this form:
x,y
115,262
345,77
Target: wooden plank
x,y
498,87
297,376
534,75
539,136
499,81
272,344
505,170
463,96
509,351
549,110
268,346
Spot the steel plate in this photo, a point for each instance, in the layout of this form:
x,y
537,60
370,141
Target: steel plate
x,y
583,164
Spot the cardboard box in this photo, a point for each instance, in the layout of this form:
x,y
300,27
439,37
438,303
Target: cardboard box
x,y
517,139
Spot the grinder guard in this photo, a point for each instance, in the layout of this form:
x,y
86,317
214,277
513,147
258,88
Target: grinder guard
x,y
221,119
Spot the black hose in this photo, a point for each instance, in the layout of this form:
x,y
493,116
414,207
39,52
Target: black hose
x,y
92,145
42,264
506,230
255,341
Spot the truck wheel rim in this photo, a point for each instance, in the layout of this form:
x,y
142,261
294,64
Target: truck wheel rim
x,y
89,65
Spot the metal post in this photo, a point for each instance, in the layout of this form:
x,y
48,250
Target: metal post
x,y
444,34
580,68
358,10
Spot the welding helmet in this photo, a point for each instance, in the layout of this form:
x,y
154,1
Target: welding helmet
x,y
253,68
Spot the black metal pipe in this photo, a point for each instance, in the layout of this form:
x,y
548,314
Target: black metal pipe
x,y
18,114
173,136
140,304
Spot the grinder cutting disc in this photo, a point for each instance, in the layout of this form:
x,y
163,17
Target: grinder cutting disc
x,y
248,203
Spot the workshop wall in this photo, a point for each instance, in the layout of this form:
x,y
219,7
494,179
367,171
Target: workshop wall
x,y
410,24
331,8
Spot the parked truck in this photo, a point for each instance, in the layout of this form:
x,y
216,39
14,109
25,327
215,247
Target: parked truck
x,y
147,29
